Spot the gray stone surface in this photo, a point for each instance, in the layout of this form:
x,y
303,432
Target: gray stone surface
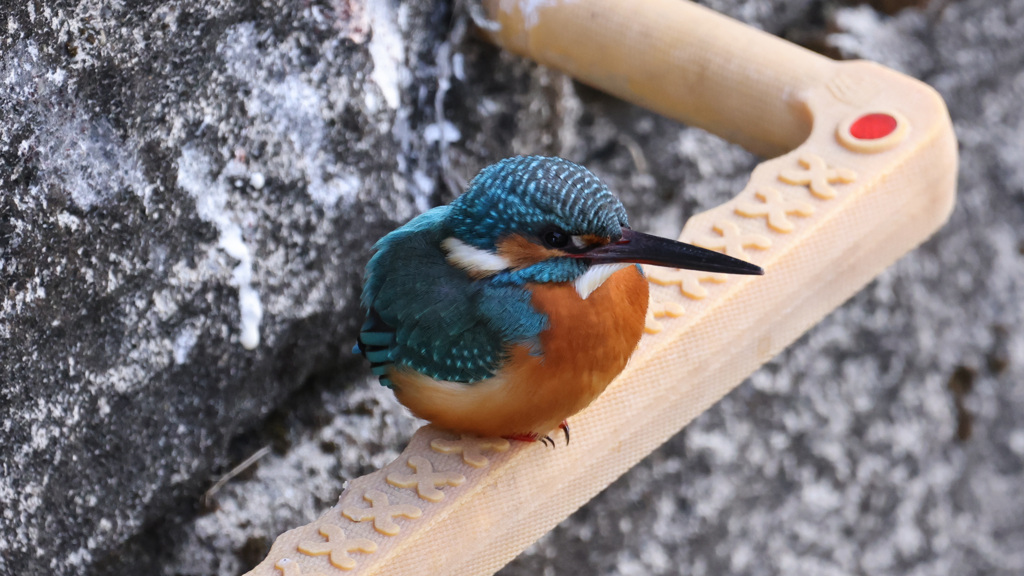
x,y
188,193
178,178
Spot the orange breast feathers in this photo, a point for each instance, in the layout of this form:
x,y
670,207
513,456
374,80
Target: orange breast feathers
x,y
586,346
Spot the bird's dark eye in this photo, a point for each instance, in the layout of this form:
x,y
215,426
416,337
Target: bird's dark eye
x,y
555,238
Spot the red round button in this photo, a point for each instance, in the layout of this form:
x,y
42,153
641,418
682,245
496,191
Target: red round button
x,y
873,126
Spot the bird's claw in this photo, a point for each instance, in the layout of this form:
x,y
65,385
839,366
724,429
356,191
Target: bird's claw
x,y
564,426
546,440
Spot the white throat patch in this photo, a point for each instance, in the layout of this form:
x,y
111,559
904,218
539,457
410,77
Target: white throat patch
x,y
472,259
593,278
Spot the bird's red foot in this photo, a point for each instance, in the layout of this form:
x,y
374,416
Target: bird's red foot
x,y
527,437
546,440
531,437
564,427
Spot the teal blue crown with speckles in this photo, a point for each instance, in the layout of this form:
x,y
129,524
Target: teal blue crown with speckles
x,y
526,194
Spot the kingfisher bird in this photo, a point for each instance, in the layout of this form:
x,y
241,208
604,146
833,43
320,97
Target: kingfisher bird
x,y
512,308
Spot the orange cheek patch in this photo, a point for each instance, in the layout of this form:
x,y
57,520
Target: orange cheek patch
x,y
592,240
522,253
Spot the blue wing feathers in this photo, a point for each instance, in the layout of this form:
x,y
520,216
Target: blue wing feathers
x,y
431,317
376,338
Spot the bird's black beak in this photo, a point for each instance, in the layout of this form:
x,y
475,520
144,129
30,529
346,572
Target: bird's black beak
x,y
646,249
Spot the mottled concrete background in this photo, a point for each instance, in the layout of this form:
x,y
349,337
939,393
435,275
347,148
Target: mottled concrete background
x,y
188,190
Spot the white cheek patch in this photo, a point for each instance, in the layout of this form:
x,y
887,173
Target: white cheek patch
x,y
593,278
472,259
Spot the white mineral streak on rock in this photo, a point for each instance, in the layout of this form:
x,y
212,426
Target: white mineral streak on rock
x,y
388,52
211,198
